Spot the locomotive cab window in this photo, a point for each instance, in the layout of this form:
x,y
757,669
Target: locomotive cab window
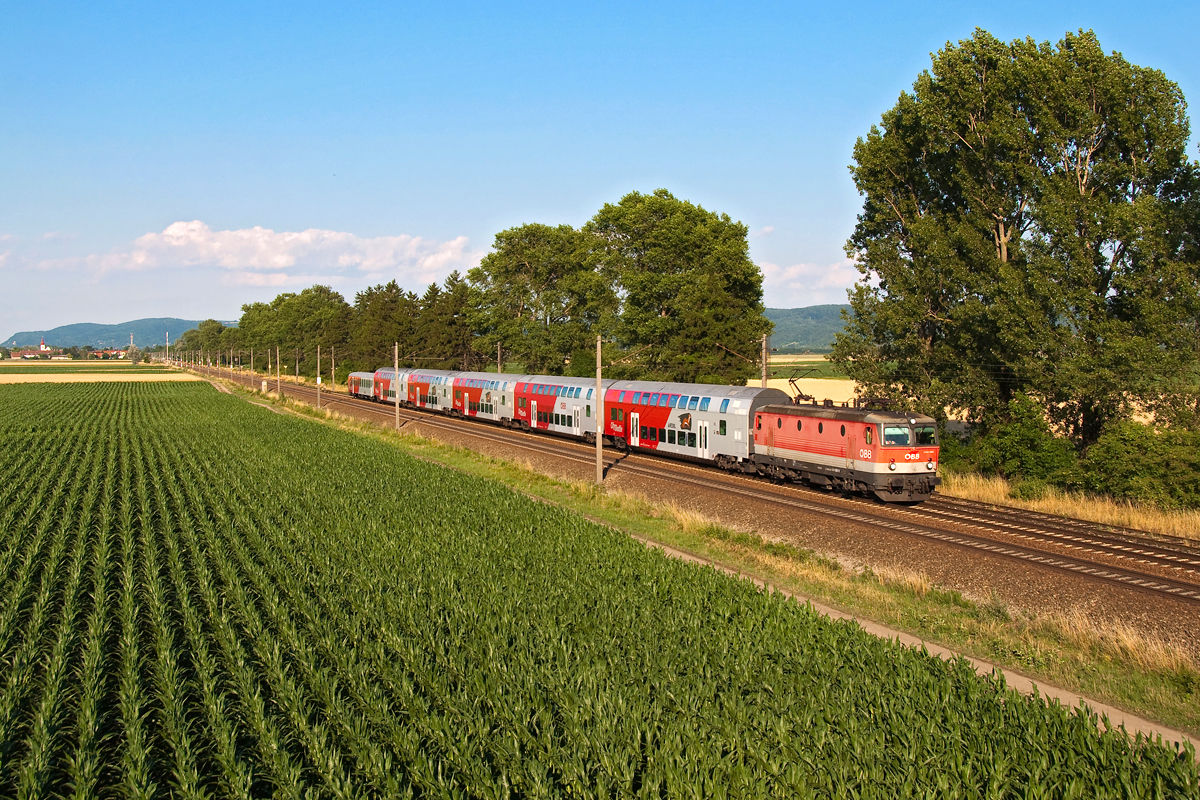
x,y
926,435
895,436
799,424
843,430
779,422
758,422
820,427
867,437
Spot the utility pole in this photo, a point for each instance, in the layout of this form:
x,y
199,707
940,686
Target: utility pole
x,y
499,363
764,358
395,379
278,375
332,369
599,419
297,353
318,376
168,347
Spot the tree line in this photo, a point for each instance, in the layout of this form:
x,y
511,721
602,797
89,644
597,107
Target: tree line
x,y
1029,246
668,285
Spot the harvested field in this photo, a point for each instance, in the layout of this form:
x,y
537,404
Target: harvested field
x,y
7,377
33,367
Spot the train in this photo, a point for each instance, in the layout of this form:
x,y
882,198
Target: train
x,y
890,455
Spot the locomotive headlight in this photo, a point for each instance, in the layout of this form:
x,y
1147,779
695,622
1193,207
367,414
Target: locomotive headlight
x,y
929,464
892,466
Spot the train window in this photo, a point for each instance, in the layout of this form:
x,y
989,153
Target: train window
x,y
843,430
662,434
621,398
724,405
671,436
664,400
704,404
587,410
691,440
779,422
612,412
926,435
721,427
820,427
758,422
799,424
645,435
579,391
589,397
674,400
692,401
458,394
637,398
646,399
895,436
653,399
867,437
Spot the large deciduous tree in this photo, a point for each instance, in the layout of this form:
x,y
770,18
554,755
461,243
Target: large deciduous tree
x,y
691,298
1027,229
538,298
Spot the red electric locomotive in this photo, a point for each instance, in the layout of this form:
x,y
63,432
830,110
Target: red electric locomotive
x,y
889,454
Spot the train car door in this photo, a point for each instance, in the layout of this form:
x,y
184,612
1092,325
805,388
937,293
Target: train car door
x,y
575,426
533,417
635,431
702,440
851,451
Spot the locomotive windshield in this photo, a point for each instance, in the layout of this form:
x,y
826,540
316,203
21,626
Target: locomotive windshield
x,y
926,435
895,436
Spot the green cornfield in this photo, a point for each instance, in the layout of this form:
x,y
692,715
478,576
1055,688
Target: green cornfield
x,y
202,598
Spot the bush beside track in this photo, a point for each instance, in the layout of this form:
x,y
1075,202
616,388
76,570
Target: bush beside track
x,y
204,596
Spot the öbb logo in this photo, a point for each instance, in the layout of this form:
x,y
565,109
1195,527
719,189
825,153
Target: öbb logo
x,y
912,456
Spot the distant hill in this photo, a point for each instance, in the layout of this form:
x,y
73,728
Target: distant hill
x,y
146,333
811,328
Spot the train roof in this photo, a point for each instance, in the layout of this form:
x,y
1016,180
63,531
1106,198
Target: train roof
x,y
872,415
707,389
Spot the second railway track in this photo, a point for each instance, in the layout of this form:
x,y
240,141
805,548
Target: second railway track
x,y
1082,549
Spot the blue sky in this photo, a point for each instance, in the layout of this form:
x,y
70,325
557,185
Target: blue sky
x,y
183,160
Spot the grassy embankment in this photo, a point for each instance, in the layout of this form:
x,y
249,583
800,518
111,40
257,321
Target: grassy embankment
x,y
1103,659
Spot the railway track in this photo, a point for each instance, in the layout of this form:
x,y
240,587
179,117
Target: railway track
x,y
1163,566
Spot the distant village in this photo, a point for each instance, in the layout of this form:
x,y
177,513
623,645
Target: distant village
x,y
48,352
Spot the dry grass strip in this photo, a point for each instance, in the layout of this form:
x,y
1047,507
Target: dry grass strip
x,y
1184,523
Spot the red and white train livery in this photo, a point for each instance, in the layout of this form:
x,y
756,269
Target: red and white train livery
x,y
739,428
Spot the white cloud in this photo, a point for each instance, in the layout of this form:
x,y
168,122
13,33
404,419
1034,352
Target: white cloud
x,y
262,257
766,230
807,284
264,251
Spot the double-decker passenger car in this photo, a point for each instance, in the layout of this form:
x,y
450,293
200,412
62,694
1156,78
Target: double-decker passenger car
x,y
690,420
